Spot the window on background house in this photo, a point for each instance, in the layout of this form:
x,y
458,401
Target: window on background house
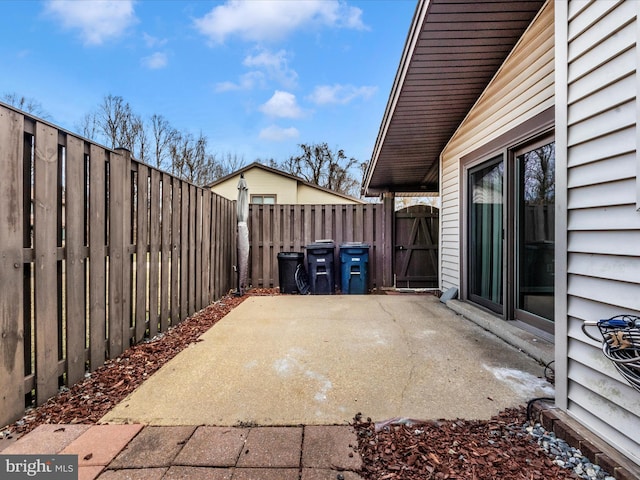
x,y
263,199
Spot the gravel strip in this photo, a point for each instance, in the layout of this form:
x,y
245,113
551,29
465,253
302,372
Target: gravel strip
x,y
565,455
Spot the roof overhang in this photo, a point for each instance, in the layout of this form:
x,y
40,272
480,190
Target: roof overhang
x,y
452,51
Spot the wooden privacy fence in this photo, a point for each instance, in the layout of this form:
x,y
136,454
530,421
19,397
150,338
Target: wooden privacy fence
x,y
289,228
97,252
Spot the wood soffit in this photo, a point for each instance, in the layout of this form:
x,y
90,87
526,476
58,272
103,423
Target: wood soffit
x,y
454,48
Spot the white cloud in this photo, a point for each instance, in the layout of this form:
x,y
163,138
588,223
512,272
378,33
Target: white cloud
x,y
276,65
282,104
97,20
269,20
339,94
247,82
155,61
278,134
268,65
153,42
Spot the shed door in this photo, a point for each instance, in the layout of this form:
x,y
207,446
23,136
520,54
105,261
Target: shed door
x,y
416,247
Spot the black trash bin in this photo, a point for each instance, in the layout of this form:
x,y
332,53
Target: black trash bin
x,y
288,263
354,266
320,268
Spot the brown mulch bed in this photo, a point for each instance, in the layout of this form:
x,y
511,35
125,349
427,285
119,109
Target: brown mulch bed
x,y
88,401
455,449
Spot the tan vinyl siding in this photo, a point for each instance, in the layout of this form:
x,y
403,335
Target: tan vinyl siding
x,y
522,88
286,189
603,227
310,195
260,182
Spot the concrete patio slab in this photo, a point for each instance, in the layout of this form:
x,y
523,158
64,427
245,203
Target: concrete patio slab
x,y
318,360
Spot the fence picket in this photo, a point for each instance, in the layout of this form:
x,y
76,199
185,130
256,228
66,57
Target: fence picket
x,y
45,254
142,239
267,239
165,255
192,214
184,254
205,297
75,270
117,191
176,212
198,252
154,250
97,254
12,318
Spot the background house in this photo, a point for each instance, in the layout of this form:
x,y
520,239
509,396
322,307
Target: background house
x,y
271,186
522,116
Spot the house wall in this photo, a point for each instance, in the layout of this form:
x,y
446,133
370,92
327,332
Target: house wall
x,y
260,182
597,155
522,88
310,195
287,190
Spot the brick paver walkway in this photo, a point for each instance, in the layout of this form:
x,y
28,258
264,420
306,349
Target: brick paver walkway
x,y
137,452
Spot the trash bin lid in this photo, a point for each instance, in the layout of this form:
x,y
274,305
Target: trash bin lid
x,y
323,244
296,255
354,245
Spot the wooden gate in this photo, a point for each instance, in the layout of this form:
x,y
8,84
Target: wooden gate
x,y
416,247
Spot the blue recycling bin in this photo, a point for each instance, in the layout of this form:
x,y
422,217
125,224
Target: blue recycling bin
x,y
320,268
354,268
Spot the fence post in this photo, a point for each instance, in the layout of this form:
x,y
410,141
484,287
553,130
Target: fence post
x,y
388,201
11,267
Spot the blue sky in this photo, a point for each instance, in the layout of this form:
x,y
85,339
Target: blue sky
x,y
256,77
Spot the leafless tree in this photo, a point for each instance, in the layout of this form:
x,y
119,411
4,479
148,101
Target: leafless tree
x,y
120,126
318,164
163,136
190,160
88,126
539,175
25,104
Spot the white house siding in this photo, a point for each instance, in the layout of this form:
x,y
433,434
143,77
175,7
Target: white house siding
x,y
522,88
597,178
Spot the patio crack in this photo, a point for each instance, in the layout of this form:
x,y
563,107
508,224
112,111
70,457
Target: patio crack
x,y
412,353
406,338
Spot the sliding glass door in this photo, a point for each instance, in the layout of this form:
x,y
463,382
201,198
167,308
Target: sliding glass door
x,y
510,237
535,234
486,234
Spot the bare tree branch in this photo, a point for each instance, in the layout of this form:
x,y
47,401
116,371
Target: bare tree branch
x,y
26,104
319,165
